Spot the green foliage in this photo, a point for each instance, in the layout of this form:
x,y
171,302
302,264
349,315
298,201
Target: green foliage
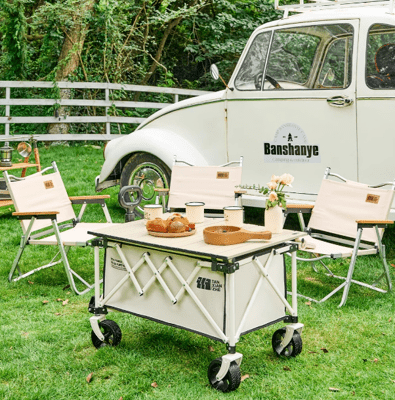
x,y
13,40
220,34
123,38
167,43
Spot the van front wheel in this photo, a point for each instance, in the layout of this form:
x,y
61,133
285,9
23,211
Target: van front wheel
x,y
148,172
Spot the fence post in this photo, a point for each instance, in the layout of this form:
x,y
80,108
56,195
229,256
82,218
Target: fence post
x,y
176,98
7,109
108,124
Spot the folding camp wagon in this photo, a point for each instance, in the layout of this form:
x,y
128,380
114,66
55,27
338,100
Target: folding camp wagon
x,y
221,292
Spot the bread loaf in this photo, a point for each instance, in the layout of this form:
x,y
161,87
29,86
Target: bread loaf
x,y
174,224
157,225
176,227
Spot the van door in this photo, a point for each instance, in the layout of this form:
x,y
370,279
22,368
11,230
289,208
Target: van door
x,y
293,104
376,104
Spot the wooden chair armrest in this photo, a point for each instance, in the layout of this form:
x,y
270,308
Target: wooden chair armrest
x,y
4,203
363,223
36,214
89,199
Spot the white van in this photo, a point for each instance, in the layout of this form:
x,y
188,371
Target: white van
x,y
311,90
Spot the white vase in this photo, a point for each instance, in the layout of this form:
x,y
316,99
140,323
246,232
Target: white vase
x,y
274,219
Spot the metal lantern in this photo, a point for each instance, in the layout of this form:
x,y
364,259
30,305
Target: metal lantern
x,y
6,155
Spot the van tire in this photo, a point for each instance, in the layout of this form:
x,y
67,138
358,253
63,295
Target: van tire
x,y
155,173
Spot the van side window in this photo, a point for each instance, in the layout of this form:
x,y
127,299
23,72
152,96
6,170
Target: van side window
x,y
251,71
310,57
336,68
380,57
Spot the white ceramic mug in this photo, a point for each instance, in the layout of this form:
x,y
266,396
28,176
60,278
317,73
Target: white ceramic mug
x,y
152,211
195,212
234,215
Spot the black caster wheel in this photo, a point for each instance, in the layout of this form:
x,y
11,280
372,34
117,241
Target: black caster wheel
x,y
112,334
230,382
294,346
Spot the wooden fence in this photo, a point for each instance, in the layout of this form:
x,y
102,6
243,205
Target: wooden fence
x,y
8,102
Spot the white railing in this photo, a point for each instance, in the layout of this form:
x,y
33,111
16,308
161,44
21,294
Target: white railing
x,y
8,102
326,4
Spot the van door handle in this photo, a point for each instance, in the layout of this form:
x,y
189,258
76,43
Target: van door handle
x,y
339,101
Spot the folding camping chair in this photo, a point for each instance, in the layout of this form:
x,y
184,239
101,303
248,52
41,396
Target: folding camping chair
x,y
215,186
42,199
347,220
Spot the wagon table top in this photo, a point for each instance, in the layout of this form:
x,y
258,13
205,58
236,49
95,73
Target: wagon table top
x,y
136,234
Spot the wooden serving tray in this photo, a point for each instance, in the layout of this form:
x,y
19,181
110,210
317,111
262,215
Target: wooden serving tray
x,y
226,235
172,235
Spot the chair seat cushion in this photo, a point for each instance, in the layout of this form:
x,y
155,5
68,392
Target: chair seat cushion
x,y
77,236
321,247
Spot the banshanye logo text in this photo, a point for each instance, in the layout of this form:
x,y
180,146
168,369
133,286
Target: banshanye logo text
x,y
290,145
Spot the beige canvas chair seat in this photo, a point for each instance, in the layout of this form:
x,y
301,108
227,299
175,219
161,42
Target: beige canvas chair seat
x,y
215,186
47,218
348,220
317,246
77,236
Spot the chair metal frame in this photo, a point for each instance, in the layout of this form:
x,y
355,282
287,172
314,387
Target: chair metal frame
x,y
358,247
29,236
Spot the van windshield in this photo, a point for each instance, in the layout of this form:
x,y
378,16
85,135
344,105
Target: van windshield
x,y
308,57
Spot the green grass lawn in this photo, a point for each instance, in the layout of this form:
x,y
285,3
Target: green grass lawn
x,y
46,350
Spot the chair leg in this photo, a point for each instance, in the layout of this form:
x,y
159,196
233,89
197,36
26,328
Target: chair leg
x,y
15,264
162,199
330,273
383,258
69,272
24,239
106,213
351,267
313,264
301,222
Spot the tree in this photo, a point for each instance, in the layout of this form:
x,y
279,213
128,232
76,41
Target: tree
x,y
154,42
75,28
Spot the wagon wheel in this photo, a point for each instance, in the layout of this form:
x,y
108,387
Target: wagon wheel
x,y
231,380
112,334
293,348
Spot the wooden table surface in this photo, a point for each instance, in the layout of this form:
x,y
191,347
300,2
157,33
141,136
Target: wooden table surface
x,y
135,233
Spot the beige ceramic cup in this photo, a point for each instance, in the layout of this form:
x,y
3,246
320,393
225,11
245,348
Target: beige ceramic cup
x,y
152,211
195,212
234,215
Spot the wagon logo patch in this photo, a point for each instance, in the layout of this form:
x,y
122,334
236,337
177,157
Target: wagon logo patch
x,y
290,145
372,198
117,264
49,185
208,284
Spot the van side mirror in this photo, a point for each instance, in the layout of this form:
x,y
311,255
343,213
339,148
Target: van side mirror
x,y
215,74
214,71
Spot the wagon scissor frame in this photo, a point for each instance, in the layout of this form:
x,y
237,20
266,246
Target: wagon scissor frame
x,y
221,292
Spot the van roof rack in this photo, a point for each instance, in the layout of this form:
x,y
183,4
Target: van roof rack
x,y
314,5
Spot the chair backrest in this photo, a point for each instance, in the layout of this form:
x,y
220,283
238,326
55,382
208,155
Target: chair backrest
x,y
340,204
40,192
213,185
